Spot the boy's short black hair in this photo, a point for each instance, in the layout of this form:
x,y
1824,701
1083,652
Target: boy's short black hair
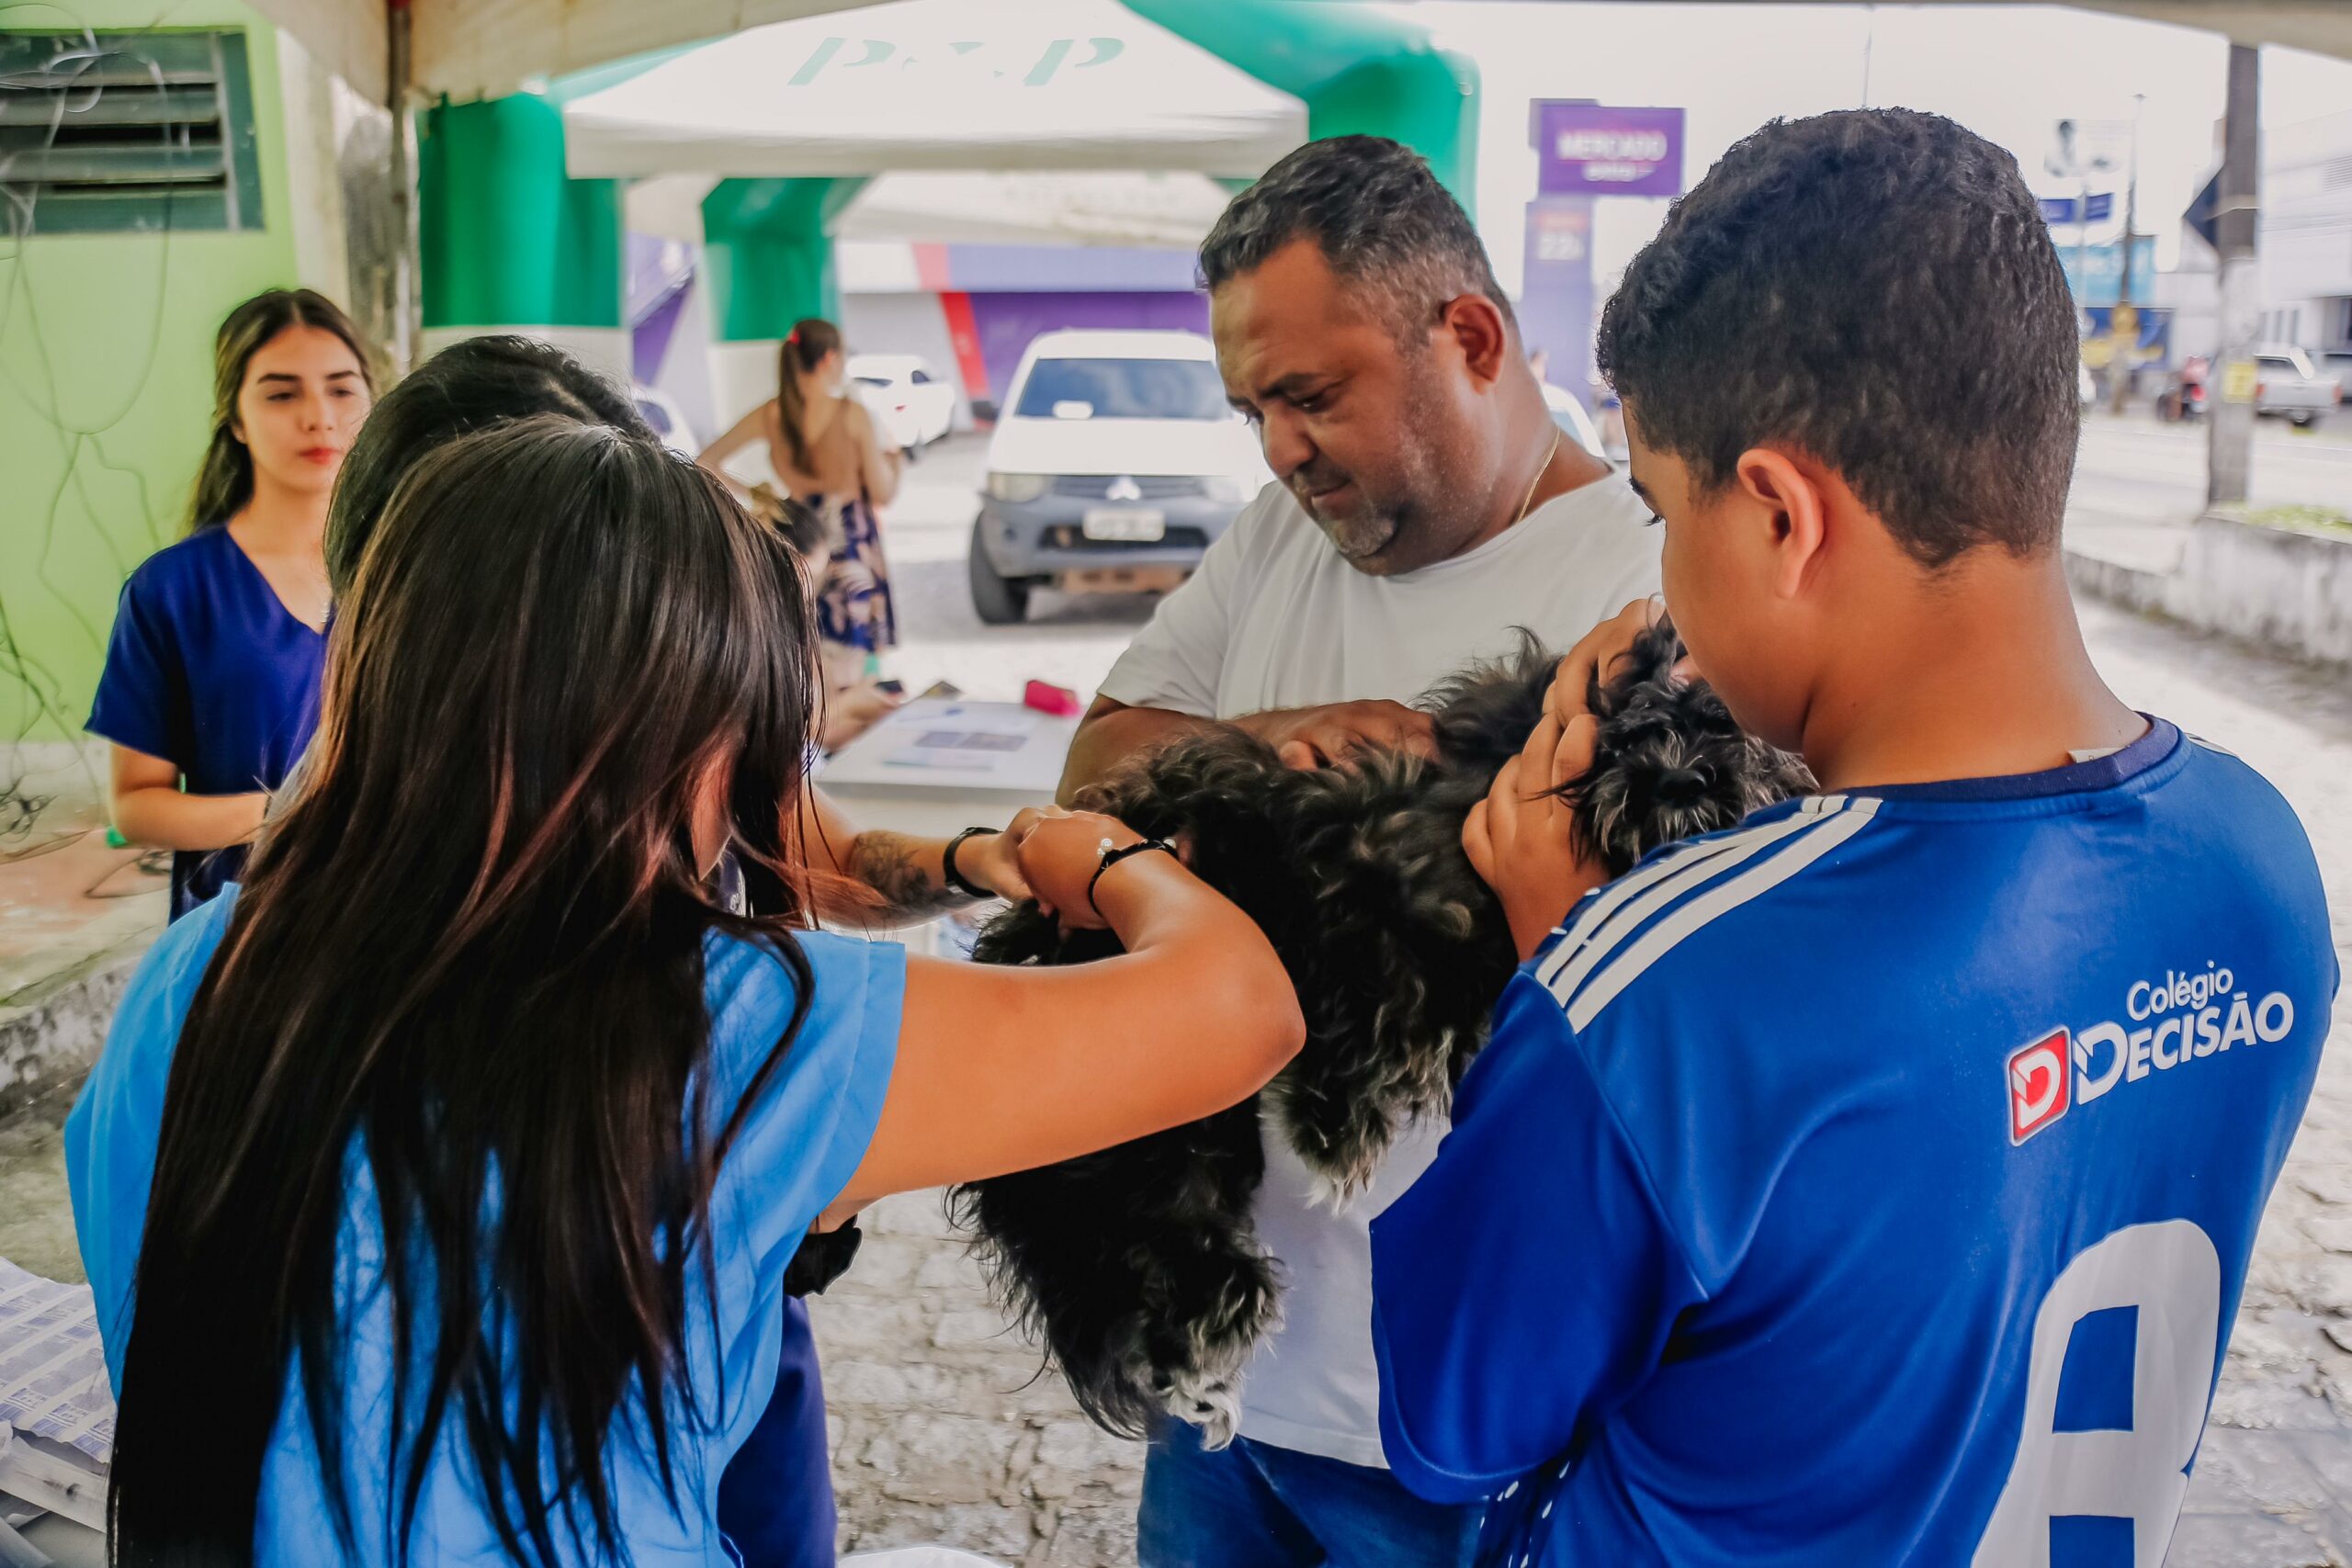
x,y
469,385
1876,288
1377,213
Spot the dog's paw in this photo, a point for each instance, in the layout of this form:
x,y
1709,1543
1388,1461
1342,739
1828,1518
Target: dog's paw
x,y
1211,1404
1336,1190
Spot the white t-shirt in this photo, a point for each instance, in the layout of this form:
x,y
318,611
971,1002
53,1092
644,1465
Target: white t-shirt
x,y
1276,618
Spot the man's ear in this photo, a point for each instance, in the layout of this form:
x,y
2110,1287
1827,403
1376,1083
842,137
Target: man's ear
x,y
1785,489
1477,328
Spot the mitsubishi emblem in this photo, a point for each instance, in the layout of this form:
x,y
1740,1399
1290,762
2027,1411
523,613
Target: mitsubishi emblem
x,y
1124,487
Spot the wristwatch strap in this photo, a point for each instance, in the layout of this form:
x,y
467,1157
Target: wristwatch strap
x,y
956,879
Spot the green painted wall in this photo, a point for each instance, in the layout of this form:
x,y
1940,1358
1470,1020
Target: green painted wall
x,y
106,394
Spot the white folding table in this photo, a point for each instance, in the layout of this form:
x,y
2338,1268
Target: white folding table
x,y
939,765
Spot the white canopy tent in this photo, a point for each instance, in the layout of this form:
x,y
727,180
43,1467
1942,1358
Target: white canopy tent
x,y
1005,86
1169,211
476,48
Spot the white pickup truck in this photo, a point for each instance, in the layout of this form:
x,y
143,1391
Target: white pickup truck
x,y
2287,385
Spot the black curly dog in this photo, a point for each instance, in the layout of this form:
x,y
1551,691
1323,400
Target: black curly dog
x,y
1138,1264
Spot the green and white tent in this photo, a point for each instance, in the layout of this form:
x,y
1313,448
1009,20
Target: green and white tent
x,y
935,85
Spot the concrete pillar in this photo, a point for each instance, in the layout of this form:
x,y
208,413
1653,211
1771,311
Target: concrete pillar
x,y
2230,440
508,242
768,261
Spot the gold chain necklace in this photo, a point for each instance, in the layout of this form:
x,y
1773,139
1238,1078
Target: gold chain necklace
x,y
1541,470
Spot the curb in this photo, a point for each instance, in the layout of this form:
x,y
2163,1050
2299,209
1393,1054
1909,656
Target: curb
x,y
52,1031
2284,593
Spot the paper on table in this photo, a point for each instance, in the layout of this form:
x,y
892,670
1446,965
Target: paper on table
x,y
969,742
977,759
52,1365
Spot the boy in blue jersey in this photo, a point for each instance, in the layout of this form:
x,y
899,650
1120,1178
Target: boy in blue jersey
x,y
1874,1182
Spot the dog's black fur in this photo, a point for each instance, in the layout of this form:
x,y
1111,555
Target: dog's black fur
x,y
1139,1264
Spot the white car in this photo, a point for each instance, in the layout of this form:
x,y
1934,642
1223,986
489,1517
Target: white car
x,y
1115,461
2292,388
912,406
1569,414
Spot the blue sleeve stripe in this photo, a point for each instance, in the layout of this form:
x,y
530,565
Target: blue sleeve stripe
x,y
1825,833
1620,908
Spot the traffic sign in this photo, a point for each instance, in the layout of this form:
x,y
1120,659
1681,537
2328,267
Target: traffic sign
x,y
2067,209
2204,212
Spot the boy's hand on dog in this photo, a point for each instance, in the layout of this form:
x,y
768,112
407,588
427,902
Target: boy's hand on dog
x,y
1059,852
1326,736
1597,652
1519,838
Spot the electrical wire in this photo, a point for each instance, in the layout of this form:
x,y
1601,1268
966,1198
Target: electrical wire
x,y
32,696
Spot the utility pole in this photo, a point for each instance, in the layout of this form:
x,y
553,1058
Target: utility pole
x,y
2083,247
406,292
2230,442
2068,160
2125,321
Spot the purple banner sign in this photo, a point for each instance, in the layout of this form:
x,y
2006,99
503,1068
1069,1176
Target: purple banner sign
x,y
1593,150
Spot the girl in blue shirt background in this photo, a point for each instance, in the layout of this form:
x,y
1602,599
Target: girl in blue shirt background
x,y
212,682
459,1154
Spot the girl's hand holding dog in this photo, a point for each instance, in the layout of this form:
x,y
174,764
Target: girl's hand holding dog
x,y
1520,838
1059,852
993,860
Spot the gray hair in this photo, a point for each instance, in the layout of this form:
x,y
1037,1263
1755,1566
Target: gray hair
x,y
1378,215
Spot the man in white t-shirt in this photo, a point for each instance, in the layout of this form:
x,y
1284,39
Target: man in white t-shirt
x,y
1425,507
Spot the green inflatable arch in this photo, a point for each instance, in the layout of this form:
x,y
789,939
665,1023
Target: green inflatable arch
x,y
1358,71
504,230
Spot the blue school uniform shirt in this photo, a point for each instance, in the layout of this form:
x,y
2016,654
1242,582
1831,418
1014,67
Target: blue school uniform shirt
x,y
797,1147
209,669
1871,1183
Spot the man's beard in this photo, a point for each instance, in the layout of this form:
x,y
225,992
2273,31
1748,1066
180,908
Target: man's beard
x,y
1362,533
1415,501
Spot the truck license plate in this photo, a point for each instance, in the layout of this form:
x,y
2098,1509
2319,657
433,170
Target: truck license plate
x,y
1124,524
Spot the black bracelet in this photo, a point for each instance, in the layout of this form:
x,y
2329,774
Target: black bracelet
x,y
1112,857
956,879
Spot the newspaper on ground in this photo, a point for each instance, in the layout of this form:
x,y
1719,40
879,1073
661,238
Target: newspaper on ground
x,y
53,1366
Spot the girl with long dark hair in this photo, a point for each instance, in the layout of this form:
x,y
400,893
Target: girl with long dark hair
x,y
825,452
211,681
775,1499
876,877
458,1155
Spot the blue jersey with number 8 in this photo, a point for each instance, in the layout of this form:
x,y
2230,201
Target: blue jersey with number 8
x,y
1871,1183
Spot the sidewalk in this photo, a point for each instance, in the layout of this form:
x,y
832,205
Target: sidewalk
x,y
74,917
2152,546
